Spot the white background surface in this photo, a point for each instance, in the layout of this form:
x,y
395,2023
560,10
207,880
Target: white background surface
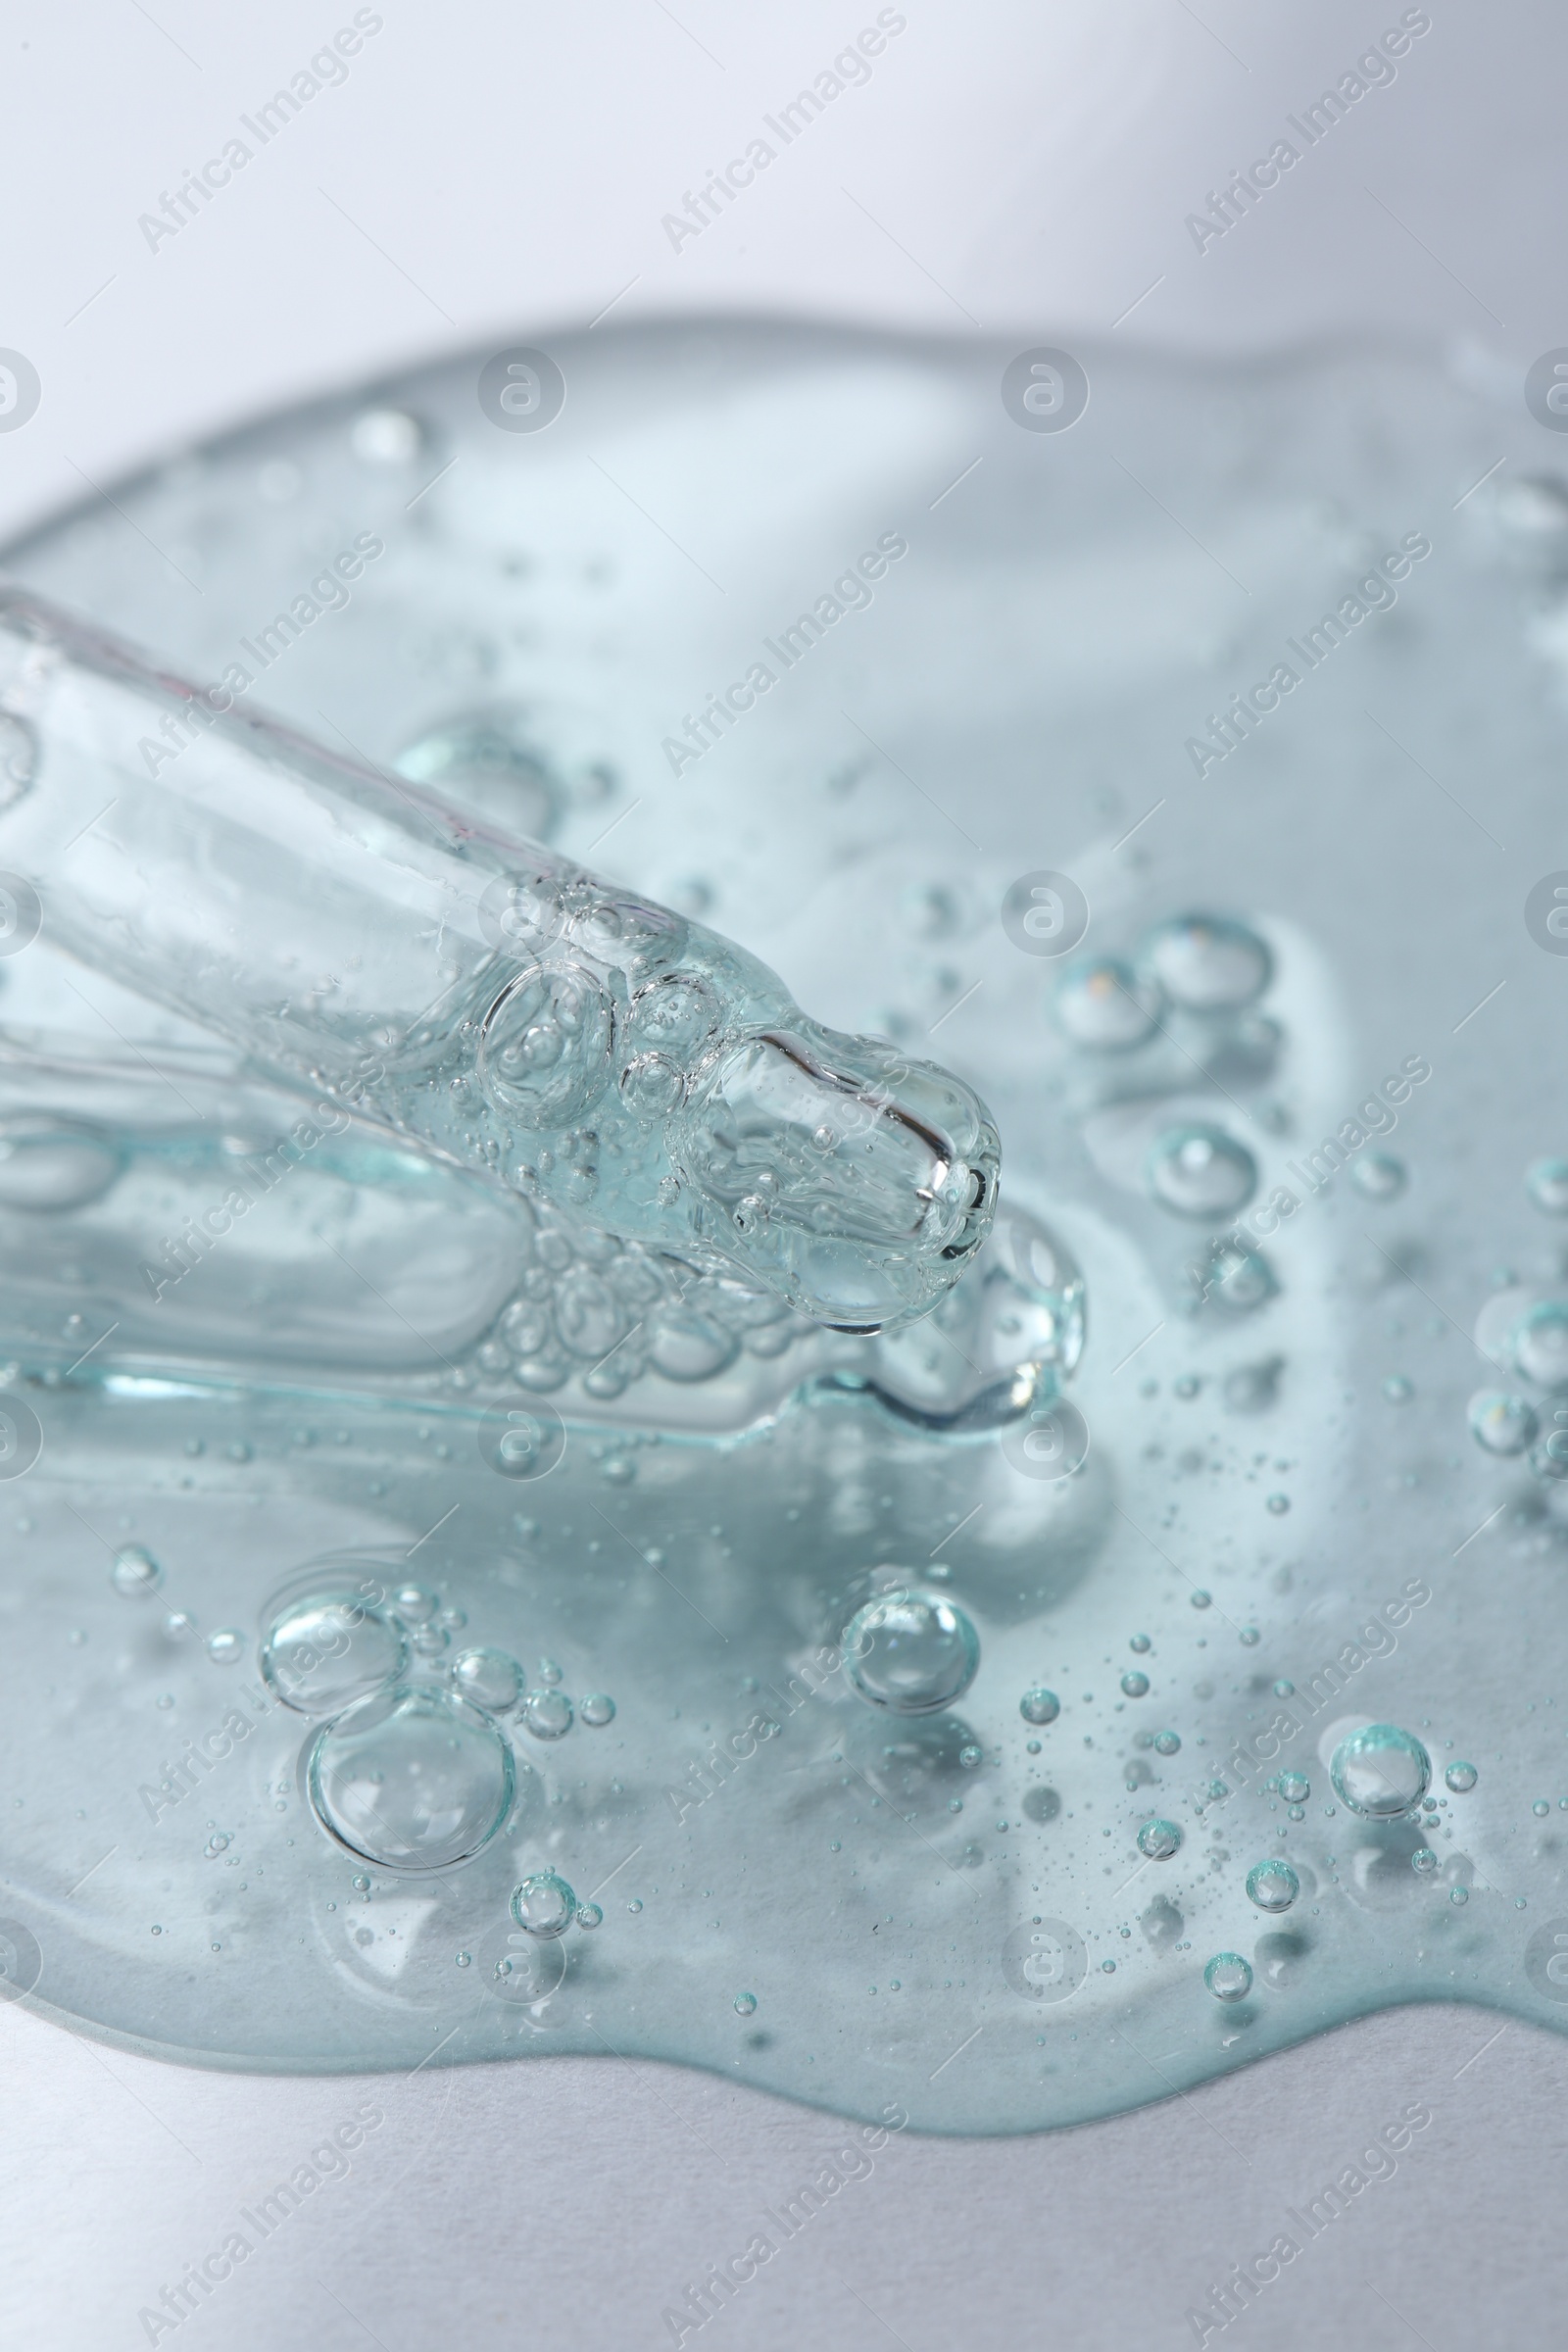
x,y
488,167
571,2201
487,170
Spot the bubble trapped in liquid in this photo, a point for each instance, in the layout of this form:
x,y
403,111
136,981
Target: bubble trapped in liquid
x,y
911,1652
547,1714
1201,1171
1380,1771
1241,1280
1207,963
1502,1424
1541,1344
489,1677
1105,1006
414,1779
134,1574
1379,1175
1273,1886
544,1904
556,1034
1228,1977
324,1649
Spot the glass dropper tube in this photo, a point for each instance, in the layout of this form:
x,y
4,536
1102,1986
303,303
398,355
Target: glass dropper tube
x,y
508,1009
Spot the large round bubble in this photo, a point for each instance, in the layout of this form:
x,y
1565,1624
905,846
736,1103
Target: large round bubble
x,y
1201,1171
414,1779
1207,963
913,1652
1381,1772
323,1650
1103,1005
544,1044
